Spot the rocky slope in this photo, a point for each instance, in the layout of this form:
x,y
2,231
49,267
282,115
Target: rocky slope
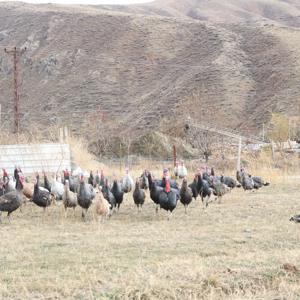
x,y
230,64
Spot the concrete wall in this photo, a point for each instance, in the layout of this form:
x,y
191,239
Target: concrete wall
x,y
33,158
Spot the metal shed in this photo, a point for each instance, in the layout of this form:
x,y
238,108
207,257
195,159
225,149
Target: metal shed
x,y
35,157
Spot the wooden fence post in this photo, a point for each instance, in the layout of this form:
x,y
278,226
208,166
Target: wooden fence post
x,y
66,134
238,166
61,135
273,150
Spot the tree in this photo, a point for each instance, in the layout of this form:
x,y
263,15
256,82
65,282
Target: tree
x,y
202,140
279,129
99,124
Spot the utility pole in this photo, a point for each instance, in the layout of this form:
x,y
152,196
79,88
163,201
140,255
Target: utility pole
x,y
174,155
16,54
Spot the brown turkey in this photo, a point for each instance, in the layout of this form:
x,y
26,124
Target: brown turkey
x,y
69,198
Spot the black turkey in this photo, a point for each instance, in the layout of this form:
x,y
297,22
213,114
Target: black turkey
x,y
168,198
139,195
154,191
186,194
85,196
117,192
40,197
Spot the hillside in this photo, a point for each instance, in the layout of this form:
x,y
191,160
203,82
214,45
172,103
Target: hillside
x,y
141,63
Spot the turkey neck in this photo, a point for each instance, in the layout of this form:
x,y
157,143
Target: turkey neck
x,y
115,186
151,183
67,190
82,189
200,182
184,186
36,188
137,186
19,184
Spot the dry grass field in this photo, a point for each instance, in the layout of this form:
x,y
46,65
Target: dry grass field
x,y
234,250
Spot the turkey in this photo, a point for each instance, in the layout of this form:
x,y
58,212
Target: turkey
x,y
186,194
206,175
85,196
138,195
295,218
16,173
97,179
26,187
9,184
219,189
162,182
117,192
4,174
204,190
47,184
230,182
2,188
247,183
168,198
239,176
174,188
193,187
91,179
66,175
69,198
102,206
180,170
245,180
145,180
74,183
57,188
176,169
108,195
258,182
102,178
40,197
10,202
127,182
154,191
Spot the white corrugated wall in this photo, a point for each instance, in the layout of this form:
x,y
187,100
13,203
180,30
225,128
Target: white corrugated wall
x,y
33,158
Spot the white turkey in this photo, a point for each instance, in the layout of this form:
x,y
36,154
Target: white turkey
x,y
180,170
57,188
127,182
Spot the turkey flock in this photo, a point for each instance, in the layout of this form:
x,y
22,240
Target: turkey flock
x,y
107,195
